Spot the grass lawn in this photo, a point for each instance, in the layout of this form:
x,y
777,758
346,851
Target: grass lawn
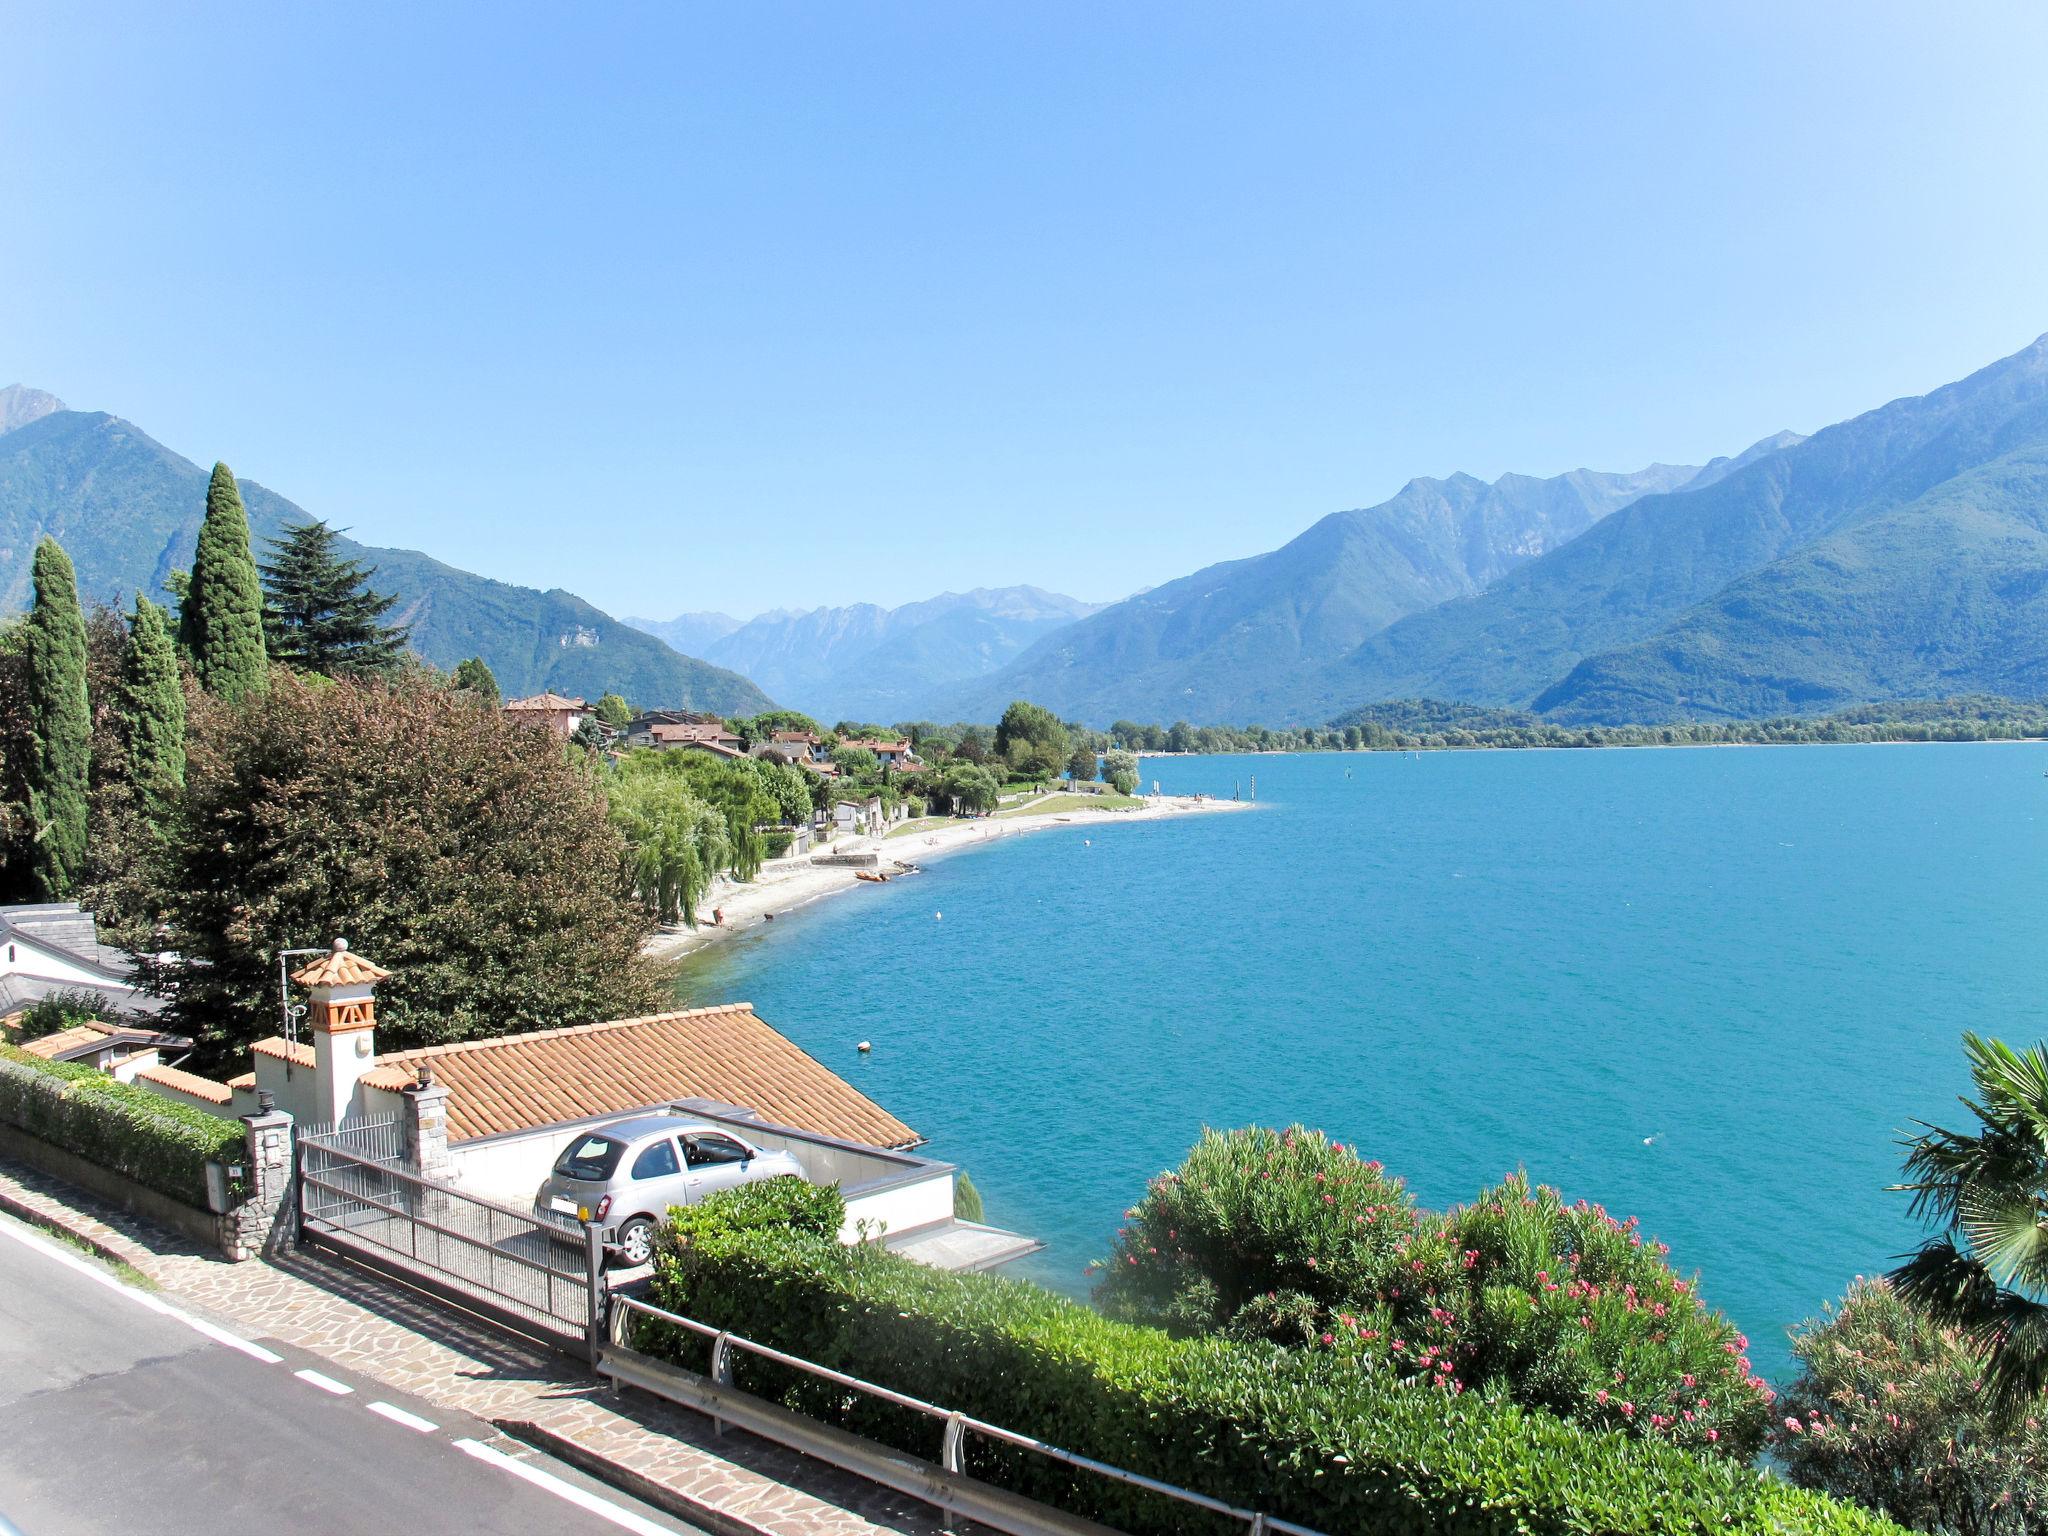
x,y
1062,805
921,824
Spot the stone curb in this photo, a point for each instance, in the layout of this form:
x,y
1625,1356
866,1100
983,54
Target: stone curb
x,y
51,1222
636,1485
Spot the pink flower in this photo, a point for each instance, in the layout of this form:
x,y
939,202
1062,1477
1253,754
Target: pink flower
x,y
1329,1338
1795,1426
1628,1410
1713,1434
1600,1396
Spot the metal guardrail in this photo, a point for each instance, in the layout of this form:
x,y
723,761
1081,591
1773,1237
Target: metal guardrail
x,y
957,1493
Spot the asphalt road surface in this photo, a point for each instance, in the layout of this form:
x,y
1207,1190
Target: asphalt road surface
x,y
124,1415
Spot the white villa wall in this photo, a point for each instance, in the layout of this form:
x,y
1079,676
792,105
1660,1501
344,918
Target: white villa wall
x,y
25,957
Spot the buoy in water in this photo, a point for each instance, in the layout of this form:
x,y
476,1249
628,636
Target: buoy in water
x,y
864,1047
938,917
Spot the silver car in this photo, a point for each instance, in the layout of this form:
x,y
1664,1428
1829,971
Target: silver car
x,y
626,1176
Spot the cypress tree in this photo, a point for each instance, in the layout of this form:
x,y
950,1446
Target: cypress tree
x,y
149,708
221,621
319,613
60,715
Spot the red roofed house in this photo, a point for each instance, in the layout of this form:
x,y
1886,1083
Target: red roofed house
x,y
559,714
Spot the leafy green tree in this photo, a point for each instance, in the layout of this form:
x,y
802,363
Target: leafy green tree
x,y
149,712
1038,731
469,856
857,764
614,711
221,617
474,678
1890,1410
1986,1273
60,715
319,613
1082,765
589,735
1121,769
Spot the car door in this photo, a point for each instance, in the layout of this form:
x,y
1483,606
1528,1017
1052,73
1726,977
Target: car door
x,y
715,1162
658,1179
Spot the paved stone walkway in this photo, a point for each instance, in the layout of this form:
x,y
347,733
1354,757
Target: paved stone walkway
x,y
733,1484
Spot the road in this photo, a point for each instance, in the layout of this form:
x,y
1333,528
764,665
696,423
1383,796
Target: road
x,y
121,1413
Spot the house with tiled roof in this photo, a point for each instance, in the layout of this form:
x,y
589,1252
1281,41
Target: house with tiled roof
x,y
122,1051
558,713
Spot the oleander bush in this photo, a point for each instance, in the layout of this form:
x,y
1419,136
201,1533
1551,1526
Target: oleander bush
x,y
1890,1410
159,1144
1337,1443
1290,1237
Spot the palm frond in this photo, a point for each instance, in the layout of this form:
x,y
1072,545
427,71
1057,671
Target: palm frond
x,y
2003,1225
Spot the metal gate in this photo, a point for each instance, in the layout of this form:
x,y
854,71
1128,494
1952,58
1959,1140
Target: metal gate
x,y
358,1197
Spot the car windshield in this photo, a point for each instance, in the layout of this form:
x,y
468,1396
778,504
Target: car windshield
x,y
592,1157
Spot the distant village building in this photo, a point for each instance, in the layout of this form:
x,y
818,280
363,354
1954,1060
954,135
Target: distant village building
x,y
802,745
559,714
891,754
55,947
715,739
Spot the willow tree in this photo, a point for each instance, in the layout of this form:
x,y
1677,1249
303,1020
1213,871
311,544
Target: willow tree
x,y
675,842
221,619
60,723
149,710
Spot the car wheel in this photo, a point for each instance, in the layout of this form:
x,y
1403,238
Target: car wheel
x,y
636,1242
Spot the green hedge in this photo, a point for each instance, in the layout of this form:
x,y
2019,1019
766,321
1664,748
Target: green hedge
x,y
1331,1444
151,1140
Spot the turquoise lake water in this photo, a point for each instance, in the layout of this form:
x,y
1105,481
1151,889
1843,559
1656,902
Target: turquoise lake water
x,y
1704,986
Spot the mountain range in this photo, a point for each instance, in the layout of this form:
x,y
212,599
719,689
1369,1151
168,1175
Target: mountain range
x,y
1901,554
127,510
866,662
1231,642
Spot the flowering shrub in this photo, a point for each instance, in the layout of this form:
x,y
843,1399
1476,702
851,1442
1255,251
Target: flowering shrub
x,y
1288,1236
1890,1411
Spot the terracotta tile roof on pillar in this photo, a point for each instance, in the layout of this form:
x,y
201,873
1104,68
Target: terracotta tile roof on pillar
x,y
339,967
723,1053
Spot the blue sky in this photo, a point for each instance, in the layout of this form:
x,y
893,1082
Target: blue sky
x,y
755,305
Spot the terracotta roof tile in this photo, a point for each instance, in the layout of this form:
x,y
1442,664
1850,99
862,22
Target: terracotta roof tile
x,y
724,1053
246,1080
189,1082
50,1047
339,967
285,1050
548,701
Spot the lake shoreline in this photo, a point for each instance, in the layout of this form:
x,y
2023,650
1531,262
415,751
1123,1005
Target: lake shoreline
x,y
786,888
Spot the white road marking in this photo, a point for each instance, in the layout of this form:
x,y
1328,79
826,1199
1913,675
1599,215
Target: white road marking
x,y
324,1383
140,1298
568,1492
400,1416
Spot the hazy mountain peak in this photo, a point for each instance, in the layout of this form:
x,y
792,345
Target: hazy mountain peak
x,y
20,405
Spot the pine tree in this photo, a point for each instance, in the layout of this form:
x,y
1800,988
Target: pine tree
x,y
221,619
60,716
319,612
149,707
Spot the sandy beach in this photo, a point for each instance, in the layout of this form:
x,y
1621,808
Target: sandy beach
x,y
787,885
